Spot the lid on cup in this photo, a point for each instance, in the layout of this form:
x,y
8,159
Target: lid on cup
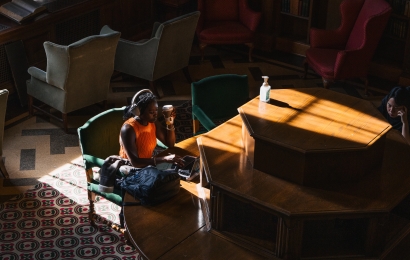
x,y
167,107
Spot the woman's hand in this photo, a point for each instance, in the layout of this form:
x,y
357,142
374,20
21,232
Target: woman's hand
x,y
169,117
174,113
403,114
172,158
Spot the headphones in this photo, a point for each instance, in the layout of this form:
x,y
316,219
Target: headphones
x,y
134,106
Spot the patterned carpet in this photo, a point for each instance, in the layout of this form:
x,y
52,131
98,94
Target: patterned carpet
x,y
43,204
50,221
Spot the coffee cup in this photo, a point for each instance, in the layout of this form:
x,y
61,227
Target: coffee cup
x,y
167,111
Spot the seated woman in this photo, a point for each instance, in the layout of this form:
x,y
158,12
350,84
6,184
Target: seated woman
x,y
395,107
139,133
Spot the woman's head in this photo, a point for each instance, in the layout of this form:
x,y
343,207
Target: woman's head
x,y
143,105
398,98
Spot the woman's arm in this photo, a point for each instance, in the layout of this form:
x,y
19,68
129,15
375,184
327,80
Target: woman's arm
x,y
166,135
405,122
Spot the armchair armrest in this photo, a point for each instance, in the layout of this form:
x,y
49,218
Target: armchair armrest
x,y
202,117
249,17
162,145
92,161
333,39
37,73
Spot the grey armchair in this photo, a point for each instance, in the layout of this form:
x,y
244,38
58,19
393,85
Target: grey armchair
x,y
78,75
4,93
167,50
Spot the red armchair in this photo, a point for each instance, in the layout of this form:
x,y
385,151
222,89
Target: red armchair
x,y
346,52
226,22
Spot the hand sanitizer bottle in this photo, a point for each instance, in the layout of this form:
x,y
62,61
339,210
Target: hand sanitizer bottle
x,y
264,95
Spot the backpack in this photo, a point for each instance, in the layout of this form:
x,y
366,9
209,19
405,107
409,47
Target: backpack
x,y
150,185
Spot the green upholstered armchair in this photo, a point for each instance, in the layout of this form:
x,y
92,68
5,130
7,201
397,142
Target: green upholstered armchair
x,y
167,51
217,98
78,75
4,93
99,139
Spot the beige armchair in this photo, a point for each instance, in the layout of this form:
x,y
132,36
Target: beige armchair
x,y
4,93
78,75
167,51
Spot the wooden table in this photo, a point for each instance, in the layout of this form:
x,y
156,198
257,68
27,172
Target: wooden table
x,y
176,228
291,221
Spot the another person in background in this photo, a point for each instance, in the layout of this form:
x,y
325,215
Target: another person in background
x,y
139,133
395,108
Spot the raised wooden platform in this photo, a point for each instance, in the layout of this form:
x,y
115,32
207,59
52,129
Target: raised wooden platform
x,y
313,136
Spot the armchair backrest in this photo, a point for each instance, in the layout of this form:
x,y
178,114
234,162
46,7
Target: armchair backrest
x,y
227,10
369,25
83,68
175,43
99,136
349,10
4,93
219,96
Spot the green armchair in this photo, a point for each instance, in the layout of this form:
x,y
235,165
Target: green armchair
x,y
99,139
78,75
216,99
167,51
4,93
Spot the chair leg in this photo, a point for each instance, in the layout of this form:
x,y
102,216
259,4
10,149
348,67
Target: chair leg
x,y
251,46
3,169
195,126
121,215
91,210
327,83
202,48
187,75
154,90
91,197
31,108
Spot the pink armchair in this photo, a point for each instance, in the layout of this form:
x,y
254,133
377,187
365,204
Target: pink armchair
x,y
346,52
226,22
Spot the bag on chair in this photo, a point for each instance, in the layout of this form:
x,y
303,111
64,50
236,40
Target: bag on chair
x,y
151,186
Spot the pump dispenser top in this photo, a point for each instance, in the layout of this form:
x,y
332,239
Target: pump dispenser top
x,y
264,95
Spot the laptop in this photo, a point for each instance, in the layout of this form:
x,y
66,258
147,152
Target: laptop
x,y
188,172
